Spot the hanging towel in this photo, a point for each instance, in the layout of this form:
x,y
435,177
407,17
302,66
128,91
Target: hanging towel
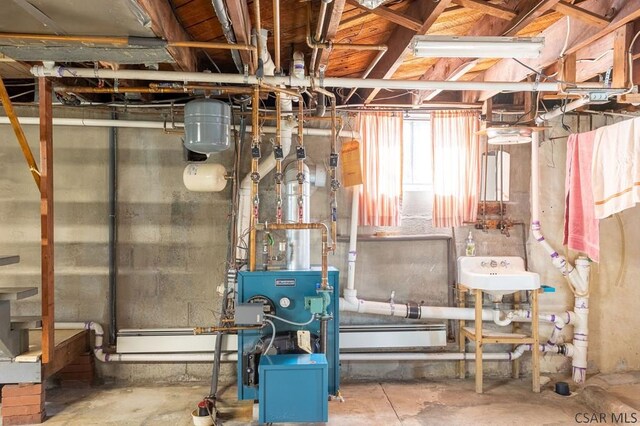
x,y
581,228
615,171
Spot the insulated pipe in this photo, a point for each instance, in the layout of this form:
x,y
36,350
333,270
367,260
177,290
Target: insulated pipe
x,y
324,285
103,73
221,12
160,125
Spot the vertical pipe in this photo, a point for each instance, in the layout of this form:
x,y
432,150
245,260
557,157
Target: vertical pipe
x,y
323,335
255,178
258,27
300,155
276,35
351,291
113,229
333,162
277,152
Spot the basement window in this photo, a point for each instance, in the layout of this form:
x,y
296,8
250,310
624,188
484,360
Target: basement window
x,y
417,179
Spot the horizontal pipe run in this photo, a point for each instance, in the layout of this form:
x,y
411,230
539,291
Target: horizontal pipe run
x,y
346,46
58,71
160,125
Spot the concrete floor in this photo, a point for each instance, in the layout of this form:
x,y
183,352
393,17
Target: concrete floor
x,y
389,403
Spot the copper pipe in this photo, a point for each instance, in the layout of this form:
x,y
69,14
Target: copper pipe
x,y
84,89
218,329
298,226
258,27
346,46
17,129
278,147
276,35
300,156
255,179
211,45
277,89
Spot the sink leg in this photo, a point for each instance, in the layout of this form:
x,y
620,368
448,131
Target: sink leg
x,y
535,351
478,294
515,365
462,340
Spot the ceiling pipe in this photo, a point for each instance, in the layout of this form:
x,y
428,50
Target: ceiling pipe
x,y
317,37
104,73
276,36
160,125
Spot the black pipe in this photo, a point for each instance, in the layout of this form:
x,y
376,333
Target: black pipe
x,y
113,230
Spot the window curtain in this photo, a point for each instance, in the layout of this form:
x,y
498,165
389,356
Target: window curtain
x,y
381,147
456,167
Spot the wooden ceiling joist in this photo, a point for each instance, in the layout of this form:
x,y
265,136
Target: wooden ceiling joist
x,y
454,68
581,13
580,36
391,15
238,11
165,25
400,39
487,8
330,29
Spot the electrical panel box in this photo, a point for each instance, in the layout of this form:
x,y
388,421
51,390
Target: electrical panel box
x,y
293,388
248,314
269,289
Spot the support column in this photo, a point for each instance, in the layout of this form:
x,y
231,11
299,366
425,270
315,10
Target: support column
x,y
46,218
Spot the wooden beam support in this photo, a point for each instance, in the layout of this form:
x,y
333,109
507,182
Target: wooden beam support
x,y
330,29
17,129
390,15
165,25
581,35
454,68
238,11
621,42
488,8
400,40
584,15
46,218
568,69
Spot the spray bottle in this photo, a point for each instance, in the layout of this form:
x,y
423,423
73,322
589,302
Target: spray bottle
x,y
471,245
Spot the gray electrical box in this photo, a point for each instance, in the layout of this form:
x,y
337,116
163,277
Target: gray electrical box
x,y
249,314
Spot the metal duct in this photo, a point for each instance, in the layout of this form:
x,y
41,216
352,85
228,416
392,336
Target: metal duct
x,y
227,30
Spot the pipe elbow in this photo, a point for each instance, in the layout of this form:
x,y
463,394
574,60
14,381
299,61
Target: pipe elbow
x,y
501,322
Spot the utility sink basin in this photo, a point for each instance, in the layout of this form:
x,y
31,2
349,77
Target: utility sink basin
x,y
496,275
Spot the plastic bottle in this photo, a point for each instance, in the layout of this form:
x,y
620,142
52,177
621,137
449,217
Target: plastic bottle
x,y
471,245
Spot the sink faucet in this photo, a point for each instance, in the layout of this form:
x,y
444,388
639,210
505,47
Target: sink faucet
x,y
504,263
493,263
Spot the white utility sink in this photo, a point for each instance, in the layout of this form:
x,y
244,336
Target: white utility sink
x,y
496,275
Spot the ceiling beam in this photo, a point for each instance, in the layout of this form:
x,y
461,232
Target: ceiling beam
x,y
390,15
454,68
581,13
621,43
330,29
487,8
400,39
165,25
580,36
240,18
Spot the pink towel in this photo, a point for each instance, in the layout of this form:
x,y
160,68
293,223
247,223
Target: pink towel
x,y
581,228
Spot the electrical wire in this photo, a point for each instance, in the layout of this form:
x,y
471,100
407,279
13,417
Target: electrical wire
x,y
301,324
566,39
273,336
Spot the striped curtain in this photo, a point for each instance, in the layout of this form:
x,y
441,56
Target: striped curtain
x,y
381,192
456,167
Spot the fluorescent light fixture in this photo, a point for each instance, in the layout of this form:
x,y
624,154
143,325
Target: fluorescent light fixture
x,y
477,47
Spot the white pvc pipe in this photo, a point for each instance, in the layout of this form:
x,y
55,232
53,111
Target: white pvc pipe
x,y
350,293
198,77
93,122
578,103
423,312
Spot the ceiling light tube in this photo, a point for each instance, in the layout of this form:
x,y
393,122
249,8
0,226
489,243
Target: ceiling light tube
x,y
477,47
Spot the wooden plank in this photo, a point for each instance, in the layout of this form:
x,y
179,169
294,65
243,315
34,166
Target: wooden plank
x,y
584,15
330,29
580,36
390,15
454,68
400,39
621,43
66,353
46,217
569,70
238,11
35,343
165,25
488,8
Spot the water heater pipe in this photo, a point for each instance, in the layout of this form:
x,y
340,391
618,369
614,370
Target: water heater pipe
x,y
255,179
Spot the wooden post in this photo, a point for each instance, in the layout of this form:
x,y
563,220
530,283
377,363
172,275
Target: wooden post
x,y
621,42
46,218
535,349
478,293
515,328
462,340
